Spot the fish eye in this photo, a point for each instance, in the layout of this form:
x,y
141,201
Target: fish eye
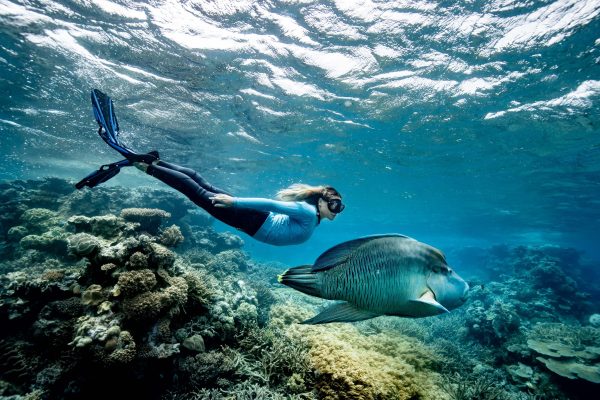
x,y
444,269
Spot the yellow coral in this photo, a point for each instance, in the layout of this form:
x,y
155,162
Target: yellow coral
x,y
283,315
388,365
93,295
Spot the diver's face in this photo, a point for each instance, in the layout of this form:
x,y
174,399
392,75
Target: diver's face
x,y
324,210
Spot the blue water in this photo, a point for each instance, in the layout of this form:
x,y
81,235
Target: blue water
x,y
460,125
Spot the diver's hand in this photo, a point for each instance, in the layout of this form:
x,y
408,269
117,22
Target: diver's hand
x,y
222,200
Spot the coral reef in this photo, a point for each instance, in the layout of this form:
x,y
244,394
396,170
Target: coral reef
x,y
171,236
149,219
97,294
571,352
387,366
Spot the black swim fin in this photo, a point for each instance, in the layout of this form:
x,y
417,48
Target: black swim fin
x,y
104,173
104,113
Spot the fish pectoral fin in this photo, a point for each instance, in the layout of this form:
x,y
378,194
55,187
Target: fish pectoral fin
x,y
428,304
341,312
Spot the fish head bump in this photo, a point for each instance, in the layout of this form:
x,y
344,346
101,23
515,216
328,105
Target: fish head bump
x,y
449,289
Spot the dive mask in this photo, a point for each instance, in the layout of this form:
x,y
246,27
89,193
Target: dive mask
x,y
335,206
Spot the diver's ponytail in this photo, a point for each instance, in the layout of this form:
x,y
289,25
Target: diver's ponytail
x,y
307,193
301,192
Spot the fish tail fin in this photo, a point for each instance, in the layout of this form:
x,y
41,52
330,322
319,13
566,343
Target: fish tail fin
x,y
301,278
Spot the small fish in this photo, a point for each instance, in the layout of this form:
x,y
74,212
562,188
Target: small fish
x,y
388,274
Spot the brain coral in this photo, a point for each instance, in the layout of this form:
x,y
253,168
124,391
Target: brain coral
x,y
82,244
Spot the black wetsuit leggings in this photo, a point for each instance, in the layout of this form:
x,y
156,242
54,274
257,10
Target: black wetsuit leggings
x,y
198,190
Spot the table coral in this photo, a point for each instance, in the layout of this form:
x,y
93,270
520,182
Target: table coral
x,y
149,219
105,226
571,352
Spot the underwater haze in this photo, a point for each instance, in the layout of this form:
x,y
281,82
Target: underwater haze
x,y
469,123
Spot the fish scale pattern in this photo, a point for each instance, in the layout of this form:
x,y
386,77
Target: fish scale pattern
x,y
379,277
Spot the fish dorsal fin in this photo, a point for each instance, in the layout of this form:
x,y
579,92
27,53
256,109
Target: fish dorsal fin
x,y
341,312
338,254
428,304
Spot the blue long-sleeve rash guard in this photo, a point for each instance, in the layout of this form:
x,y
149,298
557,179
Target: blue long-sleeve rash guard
x,y
289,222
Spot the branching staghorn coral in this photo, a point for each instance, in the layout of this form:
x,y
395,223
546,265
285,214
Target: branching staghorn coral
x,y
272,357
171,236
474,387
131,283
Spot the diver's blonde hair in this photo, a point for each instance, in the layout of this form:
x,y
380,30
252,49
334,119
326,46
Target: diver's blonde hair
x,y
308,193
299,192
